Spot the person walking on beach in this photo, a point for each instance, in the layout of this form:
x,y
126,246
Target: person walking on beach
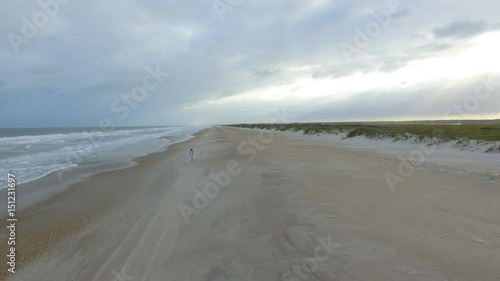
x,y
191,154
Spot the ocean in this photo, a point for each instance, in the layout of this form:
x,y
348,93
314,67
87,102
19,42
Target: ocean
x,y
30,154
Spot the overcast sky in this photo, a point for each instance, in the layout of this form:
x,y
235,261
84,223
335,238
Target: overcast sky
x,y
88,63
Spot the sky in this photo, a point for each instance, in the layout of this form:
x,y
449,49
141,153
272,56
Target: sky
x,y
171,62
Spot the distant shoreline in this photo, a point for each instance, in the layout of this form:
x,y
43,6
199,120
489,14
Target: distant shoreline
x,y
35,153
39,190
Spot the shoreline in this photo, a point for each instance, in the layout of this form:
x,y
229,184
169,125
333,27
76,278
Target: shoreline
x,y
37,191
265,219
76,147
41,222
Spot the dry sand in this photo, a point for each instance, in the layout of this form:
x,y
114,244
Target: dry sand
x,y
302,209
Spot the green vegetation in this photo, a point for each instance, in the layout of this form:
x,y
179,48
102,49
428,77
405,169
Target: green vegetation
x,y
443,131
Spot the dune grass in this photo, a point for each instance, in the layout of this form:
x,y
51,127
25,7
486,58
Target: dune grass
x,y
443,131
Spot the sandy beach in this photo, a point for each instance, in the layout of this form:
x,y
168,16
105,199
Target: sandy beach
x,y
257,205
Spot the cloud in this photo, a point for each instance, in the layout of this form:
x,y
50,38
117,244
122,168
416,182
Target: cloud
x,y
461,29
262,55
265,73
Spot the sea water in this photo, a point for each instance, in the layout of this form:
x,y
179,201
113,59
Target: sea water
x,y
30,154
